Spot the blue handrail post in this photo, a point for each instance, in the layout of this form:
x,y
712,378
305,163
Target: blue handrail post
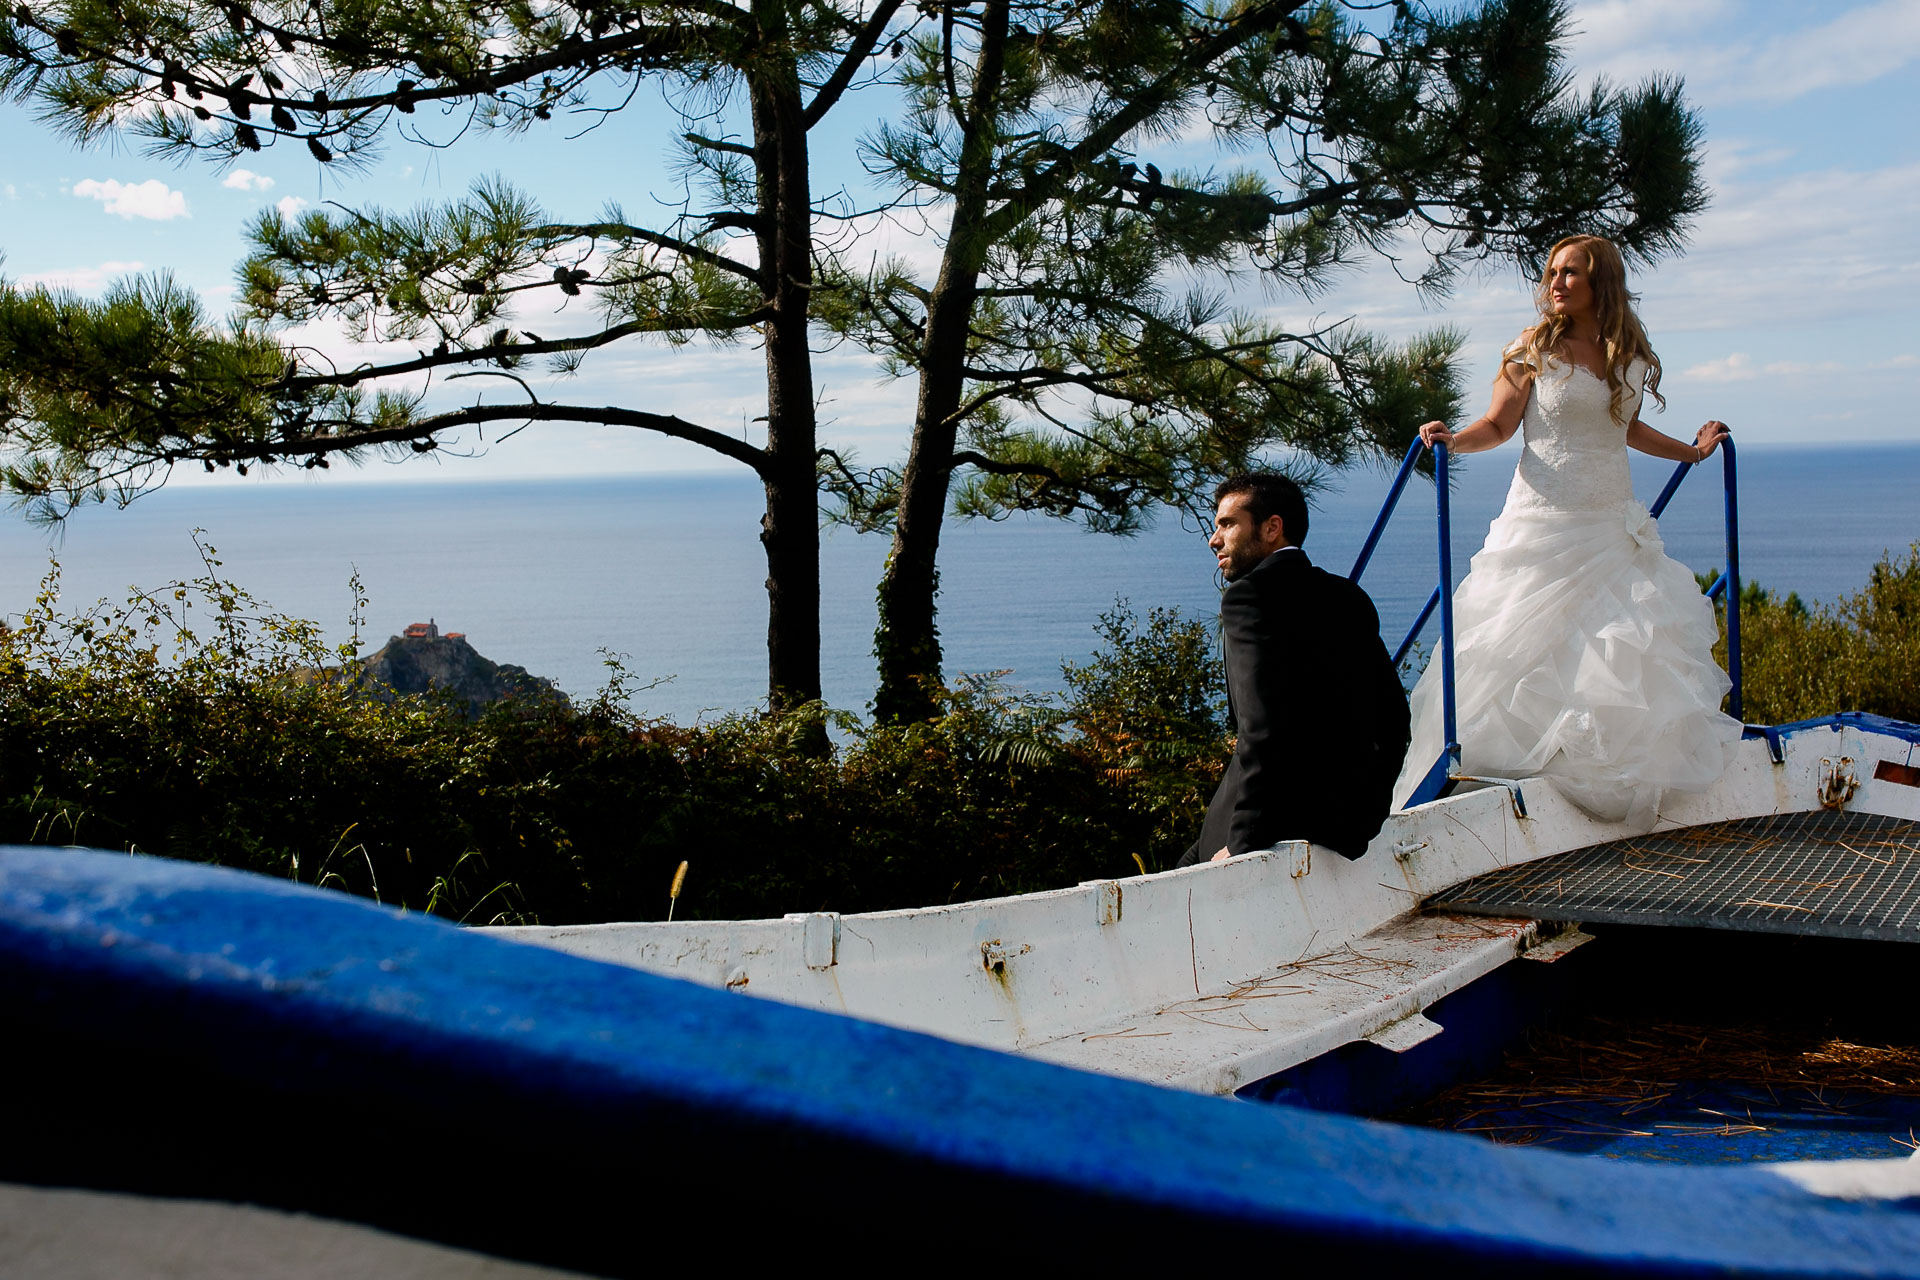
x,y
1452,756
1386,510
1413,633
1735,706
1673,485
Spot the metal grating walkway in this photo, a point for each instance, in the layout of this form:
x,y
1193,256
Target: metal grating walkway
x,y
1848,875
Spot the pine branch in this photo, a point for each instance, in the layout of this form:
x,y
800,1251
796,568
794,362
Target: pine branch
x,y
351,436
859,49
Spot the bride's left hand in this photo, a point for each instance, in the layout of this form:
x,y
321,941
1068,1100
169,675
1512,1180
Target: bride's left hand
x,y
1708,438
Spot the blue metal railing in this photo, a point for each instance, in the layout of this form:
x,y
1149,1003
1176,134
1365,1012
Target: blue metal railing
x,y
1447,767
1728,583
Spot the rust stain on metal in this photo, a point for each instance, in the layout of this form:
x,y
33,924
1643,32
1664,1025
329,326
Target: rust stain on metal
x,y
995,954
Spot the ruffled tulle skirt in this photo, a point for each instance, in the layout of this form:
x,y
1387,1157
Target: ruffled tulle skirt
x,y
1583,655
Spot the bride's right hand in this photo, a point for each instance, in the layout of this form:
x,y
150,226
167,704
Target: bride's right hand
x,y
1433,433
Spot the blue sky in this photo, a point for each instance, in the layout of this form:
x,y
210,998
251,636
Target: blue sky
x,y
1794,315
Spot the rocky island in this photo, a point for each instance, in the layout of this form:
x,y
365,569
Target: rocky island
x,y
423,660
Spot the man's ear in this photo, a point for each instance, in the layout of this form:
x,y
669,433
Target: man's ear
x,y
1274,532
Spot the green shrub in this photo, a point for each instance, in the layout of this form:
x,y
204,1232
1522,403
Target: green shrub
x,y
1858,654
187,724
1151,711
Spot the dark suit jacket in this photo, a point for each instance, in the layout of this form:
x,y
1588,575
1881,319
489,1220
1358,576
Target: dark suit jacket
x,y
1321,716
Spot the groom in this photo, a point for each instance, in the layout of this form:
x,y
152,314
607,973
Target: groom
x,y
1320,714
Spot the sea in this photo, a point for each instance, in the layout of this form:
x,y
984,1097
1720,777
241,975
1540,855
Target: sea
x,y
665,571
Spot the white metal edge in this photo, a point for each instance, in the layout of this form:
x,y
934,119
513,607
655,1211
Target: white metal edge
x,y
1016,972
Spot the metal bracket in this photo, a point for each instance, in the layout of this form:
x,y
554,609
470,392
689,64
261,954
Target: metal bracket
x,y
1414,1029
1106,900
1555,947
1776,741
1835,782
995,954
819,937
1511,784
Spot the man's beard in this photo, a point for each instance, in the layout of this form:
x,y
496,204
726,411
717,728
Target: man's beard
x,y
1242,561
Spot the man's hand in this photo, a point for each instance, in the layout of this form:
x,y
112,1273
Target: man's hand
x,y
1221,856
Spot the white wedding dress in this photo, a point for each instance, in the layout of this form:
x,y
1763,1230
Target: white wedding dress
x,y
1583,654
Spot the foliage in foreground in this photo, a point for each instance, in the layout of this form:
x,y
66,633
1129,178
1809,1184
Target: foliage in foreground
x,y
1857,654
179,725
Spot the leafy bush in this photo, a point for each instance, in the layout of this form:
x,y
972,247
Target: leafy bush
x,y
186,723
1151,711
1858,654
226,750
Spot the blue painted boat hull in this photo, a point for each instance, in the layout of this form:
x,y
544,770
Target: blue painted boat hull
x,y
187,1030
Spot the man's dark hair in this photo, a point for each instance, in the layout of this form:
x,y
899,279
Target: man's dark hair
x,y
1269,494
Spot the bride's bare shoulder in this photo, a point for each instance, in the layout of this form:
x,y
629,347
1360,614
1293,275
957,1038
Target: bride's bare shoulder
x,y
1521,359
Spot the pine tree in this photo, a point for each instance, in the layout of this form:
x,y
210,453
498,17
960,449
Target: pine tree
x,y
107,397
1061,365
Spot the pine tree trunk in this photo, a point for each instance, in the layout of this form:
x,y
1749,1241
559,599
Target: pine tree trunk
x,y
790,530
907,644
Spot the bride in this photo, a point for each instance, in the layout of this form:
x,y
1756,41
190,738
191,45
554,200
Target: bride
x,y
1582,653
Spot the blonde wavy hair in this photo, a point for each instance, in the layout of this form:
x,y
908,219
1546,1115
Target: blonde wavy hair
x,y
1622,338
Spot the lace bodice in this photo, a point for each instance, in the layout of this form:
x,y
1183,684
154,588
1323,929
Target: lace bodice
x,y
1575,452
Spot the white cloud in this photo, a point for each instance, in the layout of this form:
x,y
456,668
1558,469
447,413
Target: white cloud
x,y
1738,367
1801,368
1726,158
1608,29
289,206
1816,245
1854,48
150,199
1782,303
1734,368
914,236
247,180
81,279
13,192
1627,40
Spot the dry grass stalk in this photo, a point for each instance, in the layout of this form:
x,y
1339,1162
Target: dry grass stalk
x,y
1631,865
1811,884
